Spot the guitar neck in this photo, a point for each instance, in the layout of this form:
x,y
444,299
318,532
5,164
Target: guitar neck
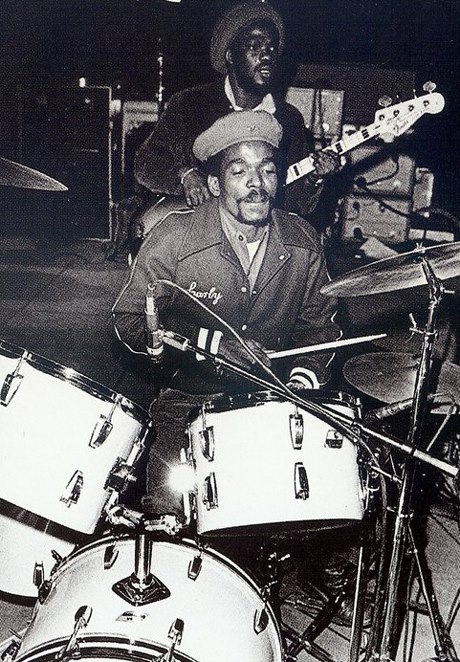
x,y
305,166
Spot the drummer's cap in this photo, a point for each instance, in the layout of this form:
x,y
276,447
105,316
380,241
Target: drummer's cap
x,y
238,18
239,126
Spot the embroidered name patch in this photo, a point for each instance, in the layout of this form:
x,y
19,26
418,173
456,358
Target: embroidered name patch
x,y
211,295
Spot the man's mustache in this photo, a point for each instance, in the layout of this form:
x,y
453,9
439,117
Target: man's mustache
x,y
257,195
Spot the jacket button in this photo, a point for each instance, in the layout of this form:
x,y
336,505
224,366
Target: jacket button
x,y
282,257
244,289
244,327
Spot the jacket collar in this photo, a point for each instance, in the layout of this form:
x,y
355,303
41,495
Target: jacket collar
x,y
205,231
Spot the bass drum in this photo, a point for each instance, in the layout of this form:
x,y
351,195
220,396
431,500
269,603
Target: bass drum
x,y
264,465
222,613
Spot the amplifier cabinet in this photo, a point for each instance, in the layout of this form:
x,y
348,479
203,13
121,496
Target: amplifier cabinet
x,y
364,216
66,133
382,171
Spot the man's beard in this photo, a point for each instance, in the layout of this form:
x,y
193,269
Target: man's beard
x,y
248,83
261,196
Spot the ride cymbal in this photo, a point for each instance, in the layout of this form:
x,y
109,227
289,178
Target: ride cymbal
x,y
21,176
390,377
399,272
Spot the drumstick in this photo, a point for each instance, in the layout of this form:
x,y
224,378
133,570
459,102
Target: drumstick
x,y
322,346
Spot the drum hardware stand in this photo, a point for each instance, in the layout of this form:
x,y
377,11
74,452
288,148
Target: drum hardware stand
x,y
71,649
304,641
444,647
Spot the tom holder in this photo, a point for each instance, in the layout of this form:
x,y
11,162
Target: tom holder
x,y
141,587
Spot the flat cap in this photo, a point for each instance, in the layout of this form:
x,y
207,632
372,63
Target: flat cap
x,y
239,126
237,18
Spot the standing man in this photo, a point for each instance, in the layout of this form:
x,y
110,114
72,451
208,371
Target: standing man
x,y
256,267
245,49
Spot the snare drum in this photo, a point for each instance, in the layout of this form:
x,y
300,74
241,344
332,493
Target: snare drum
x,y
263,463
68,444
223,615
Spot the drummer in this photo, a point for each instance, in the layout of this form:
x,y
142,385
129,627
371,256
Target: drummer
x,y
241,260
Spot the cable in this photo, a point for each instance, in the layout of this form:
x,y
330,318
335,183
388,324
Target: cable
x,y
269,372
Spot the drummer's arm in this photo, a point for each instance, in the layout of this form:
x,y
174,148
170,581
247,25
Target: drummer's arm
x,y
315,324
157,259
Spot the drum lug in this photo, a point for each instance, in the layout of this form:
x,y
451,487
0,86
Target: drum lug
x,y
44,590
206,435
301,486
12,649
104,426
207,442
120,476
175,634
334,439
12,382
210,491
296,429
71,649
72,492
110,556
194,567
260,620
39,574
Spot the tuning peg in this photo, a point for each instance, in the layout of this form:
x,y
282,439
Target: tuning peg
x,y
429,86
385,101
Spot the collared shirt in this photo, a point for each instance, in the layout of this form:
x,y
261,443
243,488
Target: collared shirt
x,y
267,103
250,254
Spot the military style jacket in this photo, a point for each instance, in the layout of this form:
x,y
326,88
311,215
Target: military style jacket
x,y
284,309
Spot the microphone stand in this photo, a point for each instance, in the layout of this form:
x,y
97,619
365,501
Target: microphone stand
x,y
402,532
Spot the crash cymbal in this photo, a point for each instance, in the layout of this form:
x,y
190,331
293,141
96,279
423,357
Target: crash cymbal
x,y
397,273
21,176
390,376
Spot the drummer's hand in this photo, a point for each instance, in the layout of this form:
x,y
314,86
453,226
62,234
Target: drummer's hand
x,y
297,387
232,350
195,187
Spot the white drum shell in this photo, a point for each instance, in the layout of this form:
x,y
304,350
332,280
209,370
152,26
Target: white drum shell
x,y
254,469
46,431
21,547
218,607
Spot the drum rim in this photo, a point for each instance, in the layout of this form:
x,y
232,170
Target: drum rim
x,y
75,378
123,645
225,403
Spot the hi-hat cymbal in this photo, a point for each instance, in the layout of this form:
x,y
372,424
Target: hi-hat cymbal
x,y
21,176
397,273
390,377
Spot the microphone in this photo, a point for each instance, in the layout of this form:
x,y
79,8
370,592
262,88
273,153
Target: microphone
x,y
391,410
155,345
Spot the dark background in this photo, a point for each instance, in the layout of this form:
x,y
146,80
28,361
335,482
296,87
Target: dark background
x,y
115,42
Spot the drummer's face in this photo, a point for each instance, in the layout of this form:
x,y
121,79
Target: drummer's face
x,y
247,181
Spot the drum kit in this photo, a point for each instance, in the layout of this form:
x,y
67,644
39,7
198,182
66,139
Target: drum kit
x,y
270,464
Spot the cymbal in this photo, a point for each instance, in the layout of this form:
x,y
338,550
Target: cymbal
x,y
21,176
398,272
390,376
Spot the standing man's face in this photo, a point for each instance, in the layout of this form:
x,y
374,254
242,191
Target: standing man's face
x,y
253,56
247,182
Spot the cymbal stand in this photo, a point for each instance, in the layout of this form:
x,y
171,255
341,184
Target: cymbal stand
x,y
402,532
